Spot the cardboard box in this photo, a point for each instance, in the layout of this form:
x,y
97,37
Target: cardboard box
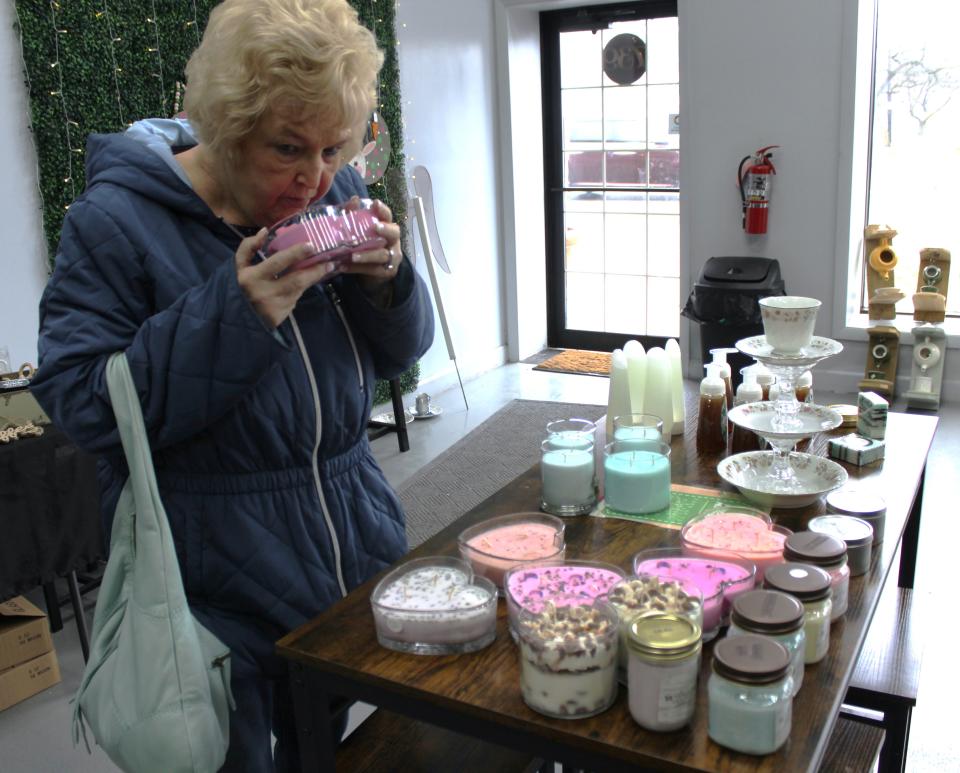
x,y
28,663
20,682
24,632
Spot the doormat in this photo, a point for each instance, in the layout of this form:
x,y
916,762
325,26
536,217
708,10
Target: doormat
x,y
578,361
685,503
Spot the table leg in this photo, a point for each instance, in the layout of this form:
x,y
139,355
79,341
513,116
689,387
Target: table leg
x,y
911,538
398,416
311,708
52,602
76,600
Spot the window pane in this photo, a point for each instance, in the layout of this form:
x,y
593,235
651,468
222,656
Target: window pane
x,y
581,62
583,237
915,164
663,307
662,102
625,116
663,55
584,301
625,304
627,167
663,245
626,244
581,109
585,167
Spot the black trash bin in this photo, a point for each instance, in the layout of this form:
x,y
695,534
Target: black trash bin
x,y
725,303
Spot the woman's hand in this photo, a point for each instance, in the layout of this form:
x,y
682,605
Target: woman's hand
x,y
272,292
377,267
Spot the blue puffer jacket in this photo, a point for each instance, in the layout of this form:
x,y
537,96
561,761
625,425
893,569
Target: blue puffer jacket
x,y
276,503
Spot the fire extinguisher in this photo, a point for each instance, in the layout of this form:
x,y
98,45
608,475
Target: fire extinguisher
x,y
755,189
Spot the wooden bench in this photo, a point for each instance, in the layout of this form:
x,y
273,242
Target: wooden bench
x,y
392,743
854,747
887,675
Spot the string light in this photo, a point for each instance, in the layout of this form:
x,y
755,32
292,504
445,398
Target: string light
x,y
105,13
156,35
55,65
194,24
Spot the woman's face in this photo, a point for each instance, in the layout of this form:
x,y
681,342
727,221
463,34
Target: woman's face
x,y
289,159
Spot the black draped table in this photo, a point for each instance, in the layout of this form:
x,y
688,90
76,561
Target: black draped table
x,y
49,512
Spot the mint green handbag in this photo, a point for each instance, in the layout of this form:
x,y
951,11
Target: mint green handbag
x,y
156,690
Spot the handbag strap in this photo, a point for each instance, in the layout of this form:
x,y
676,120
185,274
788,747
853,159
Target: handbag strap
x,y
156,573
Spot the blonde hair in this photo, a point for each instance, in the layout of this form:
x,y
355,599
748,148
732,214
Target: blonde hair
x,y
256,54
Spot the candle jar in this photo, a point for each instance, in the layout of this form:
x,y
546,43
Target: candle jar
x,y
810,585
568,660
861,504
562,583
571,433
636,596
638,432
567,477
636,482
777,616
750,695
664,661
855,532
498,544
720,577
434,606
830,554
736,529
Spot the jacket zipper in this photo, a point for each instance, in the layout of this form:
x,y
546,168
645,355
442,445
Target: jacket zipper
x,y
335,297
316,451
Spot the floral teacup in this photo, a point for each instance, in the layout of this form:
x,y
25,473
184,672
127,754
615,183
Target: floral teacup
x,y
788,321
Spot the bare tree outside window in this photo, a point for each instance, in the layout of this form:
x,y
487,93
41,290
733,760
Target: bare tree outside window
x,y
928,88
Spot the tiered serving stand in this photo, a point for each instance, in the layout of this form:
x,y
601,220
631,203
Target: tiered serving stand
x,y
783,477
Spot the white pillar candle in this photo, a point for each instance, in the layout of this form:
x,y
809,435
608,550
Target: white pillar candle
x,y
676,386
657,396
636,373
618,403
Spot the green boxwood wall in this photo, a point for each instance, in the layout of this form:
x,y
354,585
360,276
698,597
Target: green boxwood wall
x,y
97,66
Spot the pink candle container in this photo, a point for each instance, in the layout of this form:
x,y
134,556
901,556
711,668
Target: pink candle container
x,y
498,544
563,583
434,606
720,576
734,529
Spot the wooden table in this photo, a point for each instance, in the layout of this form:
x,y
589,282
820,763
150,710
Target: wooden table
x,y
479,693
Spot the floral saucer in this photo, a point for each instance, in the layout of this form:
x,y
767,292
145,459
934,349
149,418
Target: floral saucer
x,y
819,349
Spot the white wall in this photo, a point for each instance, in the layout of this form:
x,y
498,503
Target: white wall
x,y
23,269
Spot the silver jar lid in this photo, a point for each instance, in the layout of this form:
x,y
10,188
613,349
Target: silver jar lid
x,y
856,532
857,502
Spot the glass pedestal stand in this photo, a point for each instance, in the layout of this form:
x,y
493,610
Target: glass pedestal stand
x,y
784,421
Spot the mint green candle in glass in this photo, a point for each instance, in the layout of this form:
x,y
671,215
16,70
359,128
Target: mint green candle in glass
x,y
636,481
638,432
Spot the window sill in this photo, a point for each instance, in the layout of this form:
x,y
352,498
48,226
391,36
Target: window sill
x,y
857,324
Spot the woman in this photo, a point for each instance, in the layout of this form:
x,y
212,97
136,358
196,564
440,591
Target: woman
x,y
255,381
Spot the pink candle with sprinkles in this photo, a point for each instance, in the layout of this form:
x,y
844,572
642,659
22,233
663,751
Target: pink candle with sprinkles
x,y
500,548
752,537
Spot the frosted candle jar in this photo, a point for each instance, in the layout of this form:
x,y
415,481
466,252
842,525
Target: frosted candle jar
x,y
720,577
750,695
638,432
810,585
562,583
742,530
664,662
568,660
571,433
788,321
567,478
498,544
777,616
434,606
639,595
636,482
830,554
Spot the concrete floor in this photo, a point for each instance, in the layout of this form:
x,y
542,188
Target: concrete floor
x,y
35,735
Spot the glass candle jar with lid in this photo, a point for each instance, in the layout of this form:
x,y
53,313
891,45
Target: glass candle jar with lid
x,y
810,585
571,433
862,504
777,616
830,554
750,694
857,533
664,660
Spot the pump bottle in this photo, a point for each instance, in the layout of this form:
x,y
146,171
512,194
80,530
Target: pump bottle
x,y
749,391
720,359
712,416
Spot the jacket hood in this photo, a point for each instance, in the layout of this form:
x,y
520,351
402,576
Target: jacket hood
x,y
141,159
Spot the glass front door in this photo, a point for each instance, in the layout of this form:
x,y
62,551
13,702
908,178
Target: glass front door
x,y
612,162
